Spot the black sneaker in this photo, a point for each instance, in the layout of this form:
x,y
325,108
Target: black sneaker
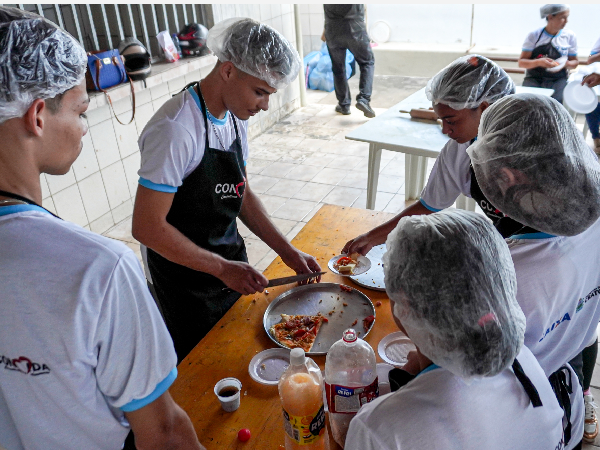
x,y
345,110
366,109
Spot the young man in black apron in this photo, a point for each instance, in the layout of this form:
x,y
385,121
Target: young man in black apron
x,y
549,52
193,183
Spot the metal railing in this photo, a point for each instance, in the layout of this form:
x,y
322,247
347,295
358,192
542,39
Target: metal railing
x,y
103,26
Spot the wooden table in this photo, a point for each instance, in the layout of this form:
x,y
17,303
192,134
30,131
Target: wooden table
x,y
227,350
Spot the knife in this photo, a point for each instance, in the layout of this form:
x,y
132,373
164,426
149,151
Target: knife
x,y
287,280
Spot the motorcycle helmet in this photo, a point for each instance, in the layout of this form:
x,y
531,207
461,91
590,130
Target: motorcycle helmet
x,y
137,58
192,40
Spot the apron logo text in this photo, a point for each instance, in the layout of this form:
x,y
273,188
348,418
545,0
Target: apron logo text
x,y
230,190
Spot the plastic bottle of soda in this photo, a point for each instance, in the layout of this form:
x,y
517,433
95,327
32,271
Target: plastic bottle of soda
x,y
350,381
301,394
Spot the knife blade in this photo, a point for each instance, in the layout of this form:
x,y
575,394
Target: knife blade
x,y
286,280
293,279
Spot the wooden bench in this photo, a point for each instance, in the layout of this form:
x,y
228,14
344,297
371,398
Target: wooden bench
x,y
515,59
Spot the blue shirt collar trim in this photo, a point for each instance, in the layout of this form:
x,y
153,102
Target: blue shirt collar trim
x,y
428,369
13,209
538,235
213,119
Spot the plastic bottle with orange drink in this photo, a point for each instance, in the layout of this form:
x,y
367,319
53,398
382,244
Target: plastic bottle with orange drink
x,y
301,394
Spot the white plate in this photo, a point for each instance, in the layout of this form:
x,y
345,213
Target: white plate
x,y
373,278
581,99
362,265
394,348
561,65
267,366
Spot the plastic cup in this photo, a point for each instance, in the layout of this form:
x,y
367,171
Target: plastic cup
x,y
228,392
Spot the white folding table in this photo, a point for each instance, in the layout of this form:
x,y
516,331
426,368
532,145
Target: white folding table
x,y
417,139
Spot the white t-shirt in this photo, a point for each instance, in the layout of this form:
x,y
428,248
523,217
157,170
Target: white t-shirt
x,y
438,410
558,289
449,177
596,48
172,143
81,339
565,41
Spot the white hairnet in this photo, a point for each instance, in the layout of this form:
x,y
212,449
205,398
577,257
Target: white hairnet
x,y
469,81
37,60
533,164
548,10
453,284
256,49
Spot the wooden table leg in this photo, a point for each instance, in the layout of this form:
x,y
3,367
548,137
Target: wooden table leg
x,y
373,174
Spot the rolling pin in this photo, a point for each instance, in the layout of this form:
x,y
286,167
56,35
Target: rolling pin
x,y
421,113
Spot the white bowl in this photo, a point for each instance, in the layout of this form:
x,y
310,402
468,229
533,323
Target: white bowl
x,y
581,99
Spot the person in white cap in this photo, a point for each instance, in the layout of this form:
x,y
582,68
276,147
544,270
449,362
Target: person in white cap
x,y
459,94
84,354
193,184
452,289
532,162
549,52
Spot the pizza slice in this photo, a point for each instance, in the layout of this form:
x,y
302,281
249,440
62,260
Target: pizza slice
x,y
298,331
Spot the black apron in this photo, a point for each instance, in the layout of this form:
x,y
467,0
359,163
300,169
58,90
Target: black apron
x,y
505,225
545,51
204,209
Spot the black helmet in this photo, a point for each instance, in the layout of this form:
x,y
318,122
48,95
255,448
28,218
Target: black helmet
x,y
192,40
137,58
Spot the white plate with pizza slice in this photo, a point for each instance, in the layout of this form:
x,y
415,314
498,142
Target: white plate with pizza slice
x,y
314,316
349,265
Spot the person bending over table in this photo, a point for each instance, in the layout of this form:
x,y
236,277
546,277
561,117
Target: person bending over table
x,y
459,94
532,162
593,118
452,286
193,183
550,51
85,354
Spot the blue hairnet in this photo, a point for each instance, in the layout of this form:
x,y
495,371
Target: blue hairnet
x,y
38,60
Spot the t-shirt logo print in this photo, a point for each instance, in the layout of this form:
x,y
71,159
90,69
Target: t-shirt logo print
x,y
230,190
24,365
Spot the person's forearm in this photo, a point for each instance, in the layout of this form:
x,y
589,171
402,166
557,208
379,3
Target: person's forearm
x,y
593,58
179,436
380,233
255,217
572,63
170,243
528,63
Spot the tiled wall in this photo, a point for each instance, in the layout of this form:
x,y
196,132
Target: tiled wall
x,y
99,190
313,20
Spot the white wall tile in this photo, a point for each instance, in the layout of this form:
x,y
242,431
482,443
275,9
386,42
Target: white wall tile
x,y
57,183
115,183
127,137
159,90
123,106
227,11
122,211
316,8
316,24
275,10
304,8
142,97
44,186
278,23
142,115
193,76
86,163
132,164
156,104
94,197
103,223
95,116
69,206
176,85
48,203
288,27
265,12
105,143
305,21
287,8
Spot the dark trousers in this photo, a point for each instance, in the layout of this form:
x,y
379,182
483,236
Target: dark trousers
x,y
593,121
338,41
558,84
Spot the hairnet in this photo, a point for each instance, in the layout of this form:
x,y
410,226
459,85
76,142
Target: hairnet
x,y
468,82
453,284
37,60
548,10
256,49
533,164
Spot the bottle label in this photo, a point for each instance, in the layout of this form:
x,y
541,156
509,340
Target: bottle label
x,y
305,430
348,400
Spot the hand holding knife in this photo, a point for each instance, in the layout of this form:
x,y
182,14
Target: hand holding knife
x,y
287,280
